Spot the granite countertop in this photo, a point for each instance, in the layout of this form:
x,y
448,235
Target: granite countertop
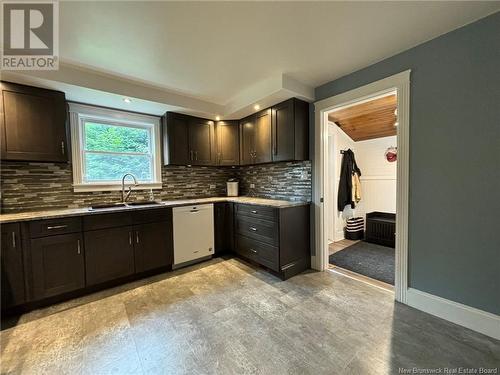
x,y
68,212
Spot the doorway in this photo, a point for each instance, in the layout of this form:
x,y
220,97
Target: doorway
x,y
323,192
362,147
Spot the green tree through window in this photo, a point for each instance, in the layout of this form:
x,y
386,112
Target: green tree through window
x,y
110,151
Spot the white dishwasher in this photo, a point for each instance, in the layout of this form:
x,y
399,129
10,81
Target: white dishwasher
x,y
193,232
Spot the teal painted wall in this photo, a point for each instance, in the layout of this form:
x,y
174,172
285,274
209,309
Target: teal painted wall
x,y
454,233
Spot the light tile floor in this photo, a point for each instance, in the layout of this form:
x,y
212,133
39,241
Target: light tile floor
x,y
227,317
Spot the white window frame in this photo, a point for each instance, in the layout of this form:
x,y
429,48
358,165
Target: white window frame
x,y
79,113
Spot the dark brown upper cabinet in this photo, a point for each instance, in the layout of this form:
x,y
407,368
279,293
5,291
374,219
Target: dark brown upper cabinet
x,y
280,133
255,138
201,141
33,124
188,140
290,130
13,291
176,139
247,140
262,148
227,143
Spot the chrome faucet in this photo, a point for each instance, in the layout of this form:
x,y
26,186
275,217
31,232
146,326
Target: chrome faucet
x,y
127,194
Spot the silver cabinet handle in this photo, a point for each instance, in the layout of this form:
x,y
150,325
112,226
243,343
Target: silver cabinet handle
x,y
196,155
62,147
78,247
13,240
254,211
253,229
56,227
253,251
130,238
137,236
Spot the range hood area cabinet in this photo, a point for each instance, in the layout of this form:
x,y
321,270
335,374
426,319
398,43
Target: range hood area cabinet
x,y
188,140
279,133
32,124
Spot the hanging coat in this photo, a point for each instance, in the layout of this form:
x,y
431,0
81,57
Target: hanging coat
x,y
347,170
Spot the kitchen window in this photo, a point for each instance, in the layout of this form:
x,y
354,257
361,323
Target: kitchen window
x,y
108,143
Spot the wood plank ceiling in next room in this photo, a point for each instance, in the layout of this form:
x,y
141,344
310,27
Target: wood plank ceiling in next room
x,y
368,120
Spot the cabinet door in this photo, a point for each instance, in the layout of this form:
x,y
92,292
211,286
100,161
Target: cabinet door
x,y
153,246
223,227
12,266
175,139
33,124
263,137
109,254
247,140
202,141
57,264
283,131
228,145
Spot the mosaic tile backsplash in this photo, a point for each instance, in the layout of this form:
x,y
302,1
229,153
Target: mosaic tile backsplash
x,y
41,186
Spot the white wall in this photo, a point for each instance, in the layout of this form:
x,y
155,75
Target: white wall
x,y
378,178
341,142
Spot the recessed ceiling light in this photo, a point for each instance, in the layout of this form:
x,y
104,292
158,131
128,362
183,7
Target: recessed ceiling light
x,y
396,112
396,123
256,107
217,118
127,100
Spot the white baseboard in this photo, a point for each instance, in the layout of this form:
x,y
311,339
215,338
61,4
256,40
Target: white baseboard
x,y
466,316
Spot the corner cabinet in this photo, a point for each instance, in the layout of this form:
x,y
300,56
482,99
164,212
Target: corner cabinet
x,y
188,140
227,143
26,113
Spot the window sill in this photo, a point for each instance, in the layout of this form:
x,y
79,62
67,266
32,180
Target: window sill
x,y
82,188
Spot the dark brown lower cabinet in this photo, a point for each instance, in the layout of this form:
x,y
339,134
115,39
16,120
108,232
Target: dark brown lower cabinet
x,y
109,254
223,227
12,271
57,264
277,238
153,246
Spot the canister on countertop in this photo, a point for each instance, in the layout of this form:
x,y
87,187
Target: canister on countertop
x,y
232,188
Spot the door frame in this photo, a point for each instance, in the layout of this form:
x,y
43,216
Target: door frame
x,y
401,83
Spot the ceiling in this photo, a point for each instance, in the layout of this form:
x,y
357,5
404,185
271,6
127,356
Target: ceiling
x,y
368,120
223,57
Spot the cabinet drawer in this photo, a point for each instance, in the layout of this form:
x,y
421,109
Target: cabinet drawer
x,y
262,230
260,252
261,212
49,227
155,215
103,221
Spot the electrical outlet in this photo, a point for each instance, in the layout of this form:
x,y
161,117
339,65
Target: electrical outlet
x,y
252,186
212,186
